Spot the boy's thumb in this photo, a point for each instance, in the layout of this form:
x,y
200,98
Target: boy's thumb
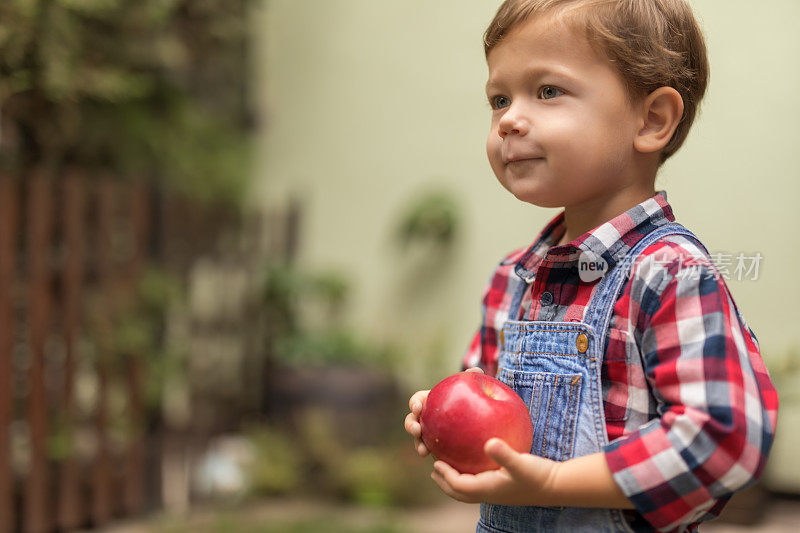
x,y
502,454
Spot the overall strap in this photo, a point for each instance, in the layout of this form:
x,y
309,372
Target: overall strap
x,y
605,296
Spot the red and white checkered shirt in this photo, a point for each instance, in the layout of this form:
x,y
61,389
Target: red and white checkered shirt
x,y
689,405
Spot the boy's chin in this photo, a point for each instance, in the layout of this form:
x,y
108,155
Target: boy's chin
x,y
535,197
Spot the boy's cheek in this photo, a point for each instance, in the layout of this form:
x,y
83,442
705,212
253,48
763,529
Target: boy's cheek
x,y
493,152
497,168
492,144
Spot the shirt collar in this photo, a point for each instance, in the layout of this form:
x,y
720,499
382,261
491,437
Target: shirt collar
x,y
611,240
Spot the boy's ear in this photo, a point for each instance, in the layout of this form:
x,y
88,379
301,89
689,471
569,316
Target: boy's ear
x,y
662,110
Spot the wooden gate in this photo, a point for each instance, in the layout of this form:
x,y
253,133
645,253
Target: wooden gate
x,y
72,251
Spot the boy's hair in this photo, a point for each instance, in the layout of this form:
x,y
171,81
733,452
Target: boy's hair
x,y
652,43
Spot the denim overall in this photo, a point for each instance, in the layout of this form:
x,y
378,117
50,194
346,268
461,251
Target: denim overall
x,y
555,368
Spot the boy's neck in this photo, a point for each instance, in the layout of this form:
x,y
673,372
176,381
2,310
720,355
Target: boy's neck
x,y
585,217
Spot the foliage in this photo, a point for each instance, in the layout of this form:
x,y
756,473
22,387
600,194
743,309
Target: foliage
x,y
140,88
433,217
277,468
285,286
332,346
332,289
158,290
282,287
292,299
314,461
383,477
139,330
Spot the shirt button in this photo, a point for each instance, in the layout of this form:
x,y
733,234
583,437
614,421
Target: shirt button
x,y
546,298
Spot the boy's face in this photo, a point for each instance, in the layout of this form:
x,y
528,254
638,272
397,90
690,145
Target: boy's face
x,y
562,124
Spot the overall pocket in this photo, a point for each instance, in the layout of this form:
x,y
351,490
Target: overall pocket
x,y
553,400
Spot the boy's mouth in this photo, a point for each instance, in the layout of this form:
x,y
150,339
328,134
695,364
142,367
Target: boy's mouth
x,y
511,155
516,159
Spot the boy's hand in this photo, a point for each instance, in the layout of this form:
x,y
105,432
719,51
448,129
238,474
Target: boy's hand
x,y
412,421
523,479
412,426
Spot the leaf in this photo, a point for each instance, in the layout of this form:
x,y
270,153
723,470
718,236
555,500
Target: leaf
x,y
433,216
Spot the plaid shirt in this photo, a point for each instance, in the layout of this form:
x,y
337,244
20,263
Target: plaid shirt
x,y
689,406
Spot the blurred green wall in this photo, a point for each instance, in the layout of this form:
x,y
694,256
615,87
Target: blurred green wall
x,y
365,103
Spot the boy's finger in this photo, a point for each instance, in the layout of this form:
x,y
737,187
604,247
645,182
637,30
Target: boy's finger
x,y
415,403
411,425
448,472
475,369
421,448
443,478
446,488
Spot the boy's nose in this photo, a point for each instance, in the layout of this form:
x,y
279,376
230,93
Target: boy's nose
x,y
512,123
503,132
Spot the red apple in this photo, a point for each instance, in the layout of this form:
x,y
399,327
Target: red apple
x,y
467,409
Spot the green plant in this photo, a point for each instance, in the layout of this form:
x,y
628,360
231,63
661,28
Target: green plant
x,y
278,467
432,217
292,298
139,331
146,89
286,288
332,346
312,459
368,477
387,475
331,288
282,289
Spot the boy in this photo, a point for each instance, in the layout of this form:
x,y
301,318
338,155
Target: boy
x,y
650,402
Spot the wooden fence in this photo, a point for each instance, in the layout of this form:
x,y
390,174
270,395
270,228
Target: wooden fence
x,y
72,252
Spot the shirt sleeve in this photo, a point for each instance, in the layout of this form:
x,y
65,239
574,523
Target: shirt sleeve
x,y
482,349
472,357
716,407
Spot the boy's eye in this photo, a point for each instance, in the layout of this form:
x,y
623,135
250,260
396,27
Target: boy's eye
x,y
548,92
499,102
